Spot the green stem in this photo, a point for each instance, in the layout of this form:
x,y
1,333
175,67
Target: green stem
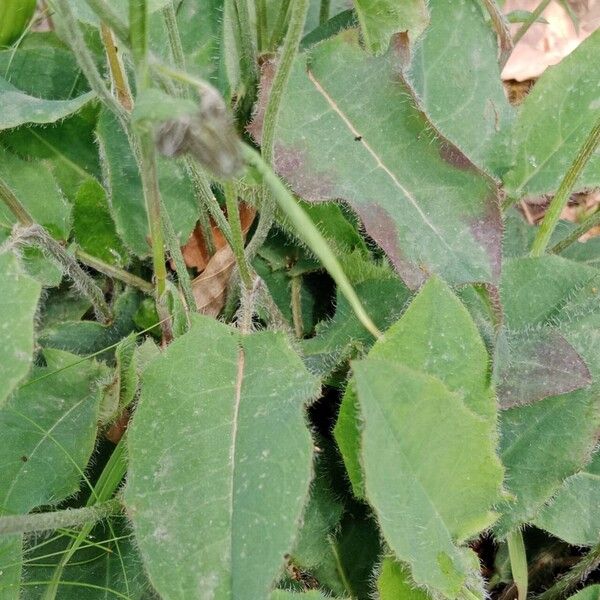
x,y
564,191
309,233
14,205
574,577
262,29
174,37
85,59
105,487
174,248
108,15
117,69
47,521
248,59
152,197
280,80
339,566
589,223
502,31
533,17
296,303
207,198
518,561
114,272
280,24
324,10
233,215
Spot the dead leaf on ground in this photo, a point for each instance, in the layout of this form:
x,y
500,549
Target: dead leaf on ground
x,y
547,44
210,287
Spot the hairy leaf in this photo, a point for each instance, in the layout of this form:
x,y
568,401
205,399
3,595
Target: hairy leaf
x,y
553,122
19,108
455,73
425,402
348,130
394,582
204,449
571,514
125,194
380,19
18,305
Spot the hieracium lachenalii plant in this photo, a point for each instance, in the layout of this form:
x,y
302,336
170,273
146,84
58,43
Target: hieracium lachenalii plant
x,y
272,323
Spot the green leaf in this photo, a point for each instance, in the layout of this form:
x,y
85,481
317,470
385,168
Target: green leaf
x,y
544,443
87,337
336,340
94,227
571,514
435,335
553,122
19,108
532,364
287,595
48,430
18,305
411,438
348,130
380,19
589,593
104,568
11,566
455,73
394,582
36,188
426,411
204,449
124,187
41,68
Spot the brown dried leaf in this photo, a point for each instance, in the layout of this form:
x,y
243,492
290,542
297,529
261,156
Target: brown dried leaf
x,y
210,287
195,252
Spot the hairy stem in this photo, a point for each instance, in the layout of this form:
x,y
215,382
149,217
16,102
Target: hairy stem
x,y
280,80
296,303
237,234
280,24
114,272
47,521
174,37
561,198
207,198
84,57
324,11
309,233
574,577
248,59
172,243
589,223
518,562
117,70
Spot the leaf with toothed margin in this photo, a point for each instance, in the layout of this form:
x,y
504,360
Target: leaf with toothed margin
x,y
348,130
422,401
553,122
380,19
220,462
455,73
544,443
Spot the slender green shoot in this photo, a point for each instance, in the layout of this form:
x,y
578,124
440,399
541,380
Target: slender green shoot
x,y
518,562
237,234
565,189
533,17
589,223
309,233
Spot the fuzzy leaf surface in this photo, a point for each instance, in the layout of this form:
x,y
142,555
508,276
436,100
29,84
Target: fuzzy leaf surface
x,y
222,454
553,122
348,130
